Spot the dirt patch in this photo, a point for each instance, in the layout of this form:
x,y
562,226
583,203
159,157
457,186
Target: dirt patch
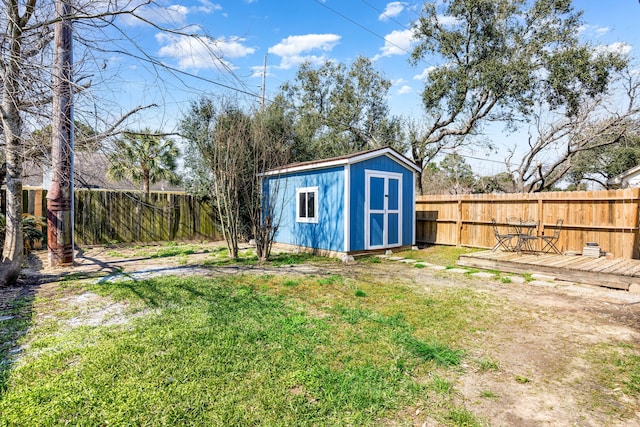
x,y
543,347
94,310
542,350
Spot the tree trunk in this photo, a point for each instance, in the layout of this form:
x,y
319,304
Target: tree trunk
x,y
419,186
12,254
146,182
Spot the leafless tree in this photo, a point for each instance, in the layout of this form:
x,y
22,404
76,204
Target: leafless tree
x,y
237,147
555,138
268,151
26,34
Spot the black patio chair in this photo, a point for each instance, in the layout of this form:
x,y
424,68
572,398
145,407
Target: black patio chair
x,y
503,240
551,240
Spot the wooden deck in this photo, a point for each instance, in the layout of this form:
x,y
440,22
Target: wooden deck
x,y
616,273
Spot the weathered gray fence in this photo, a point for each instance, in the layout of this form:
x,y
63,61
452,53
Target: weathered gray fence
x,y
106,216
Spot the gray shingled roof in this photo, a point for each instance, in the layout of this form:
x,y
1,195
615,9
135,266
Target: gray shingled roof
x,y
90,172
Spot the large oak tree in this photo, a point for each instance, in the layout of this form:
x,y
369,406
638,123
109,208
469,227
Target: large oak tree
x,y
496,60
338,109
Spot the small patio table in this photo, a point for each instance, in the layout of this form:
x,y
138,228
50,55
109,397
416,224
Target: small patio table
x,y
523,230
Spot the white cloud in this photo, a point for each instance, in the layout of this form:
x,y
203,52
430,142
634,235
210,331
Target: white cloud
x,y
392,10
424,75
175,14
405,89
202,53
296,49
179,9
295,45
289,62
593,30
396,43
618,47
448,21
207,7
172,15
259,70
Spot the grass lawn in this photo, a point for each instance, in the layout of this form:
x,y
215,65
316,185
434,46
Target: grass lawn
x,y
240,350
280,349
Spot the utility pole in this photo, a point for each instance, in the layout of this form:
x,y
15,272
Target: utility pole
x,y
264,79
60,194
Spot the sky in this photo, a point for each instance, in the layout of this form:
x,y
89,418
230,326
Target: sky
x,y
264,41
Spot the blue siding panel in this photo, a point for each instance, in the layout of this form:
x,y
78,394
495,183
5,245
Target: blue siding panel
x,y
377,193
393,194
375,229
328,233
393,229
357,202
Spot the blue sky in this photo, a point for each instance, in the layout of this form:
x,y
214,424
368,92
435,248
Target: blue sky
x,y
291,31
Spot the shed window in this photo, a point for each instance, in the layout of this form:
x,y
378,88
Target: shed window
x,y
307,204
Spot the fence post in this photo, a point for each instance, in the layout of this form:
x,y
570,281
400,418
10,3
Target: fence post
x,y
459,223
635,197
540,230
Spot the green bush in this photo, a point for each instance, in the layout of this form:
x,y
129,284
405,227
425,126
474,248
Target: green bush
x,y
33,230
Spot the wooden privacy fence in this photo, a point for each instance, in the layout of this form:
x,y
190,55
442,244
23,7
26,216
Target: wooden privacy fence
x,y
106,216
609,218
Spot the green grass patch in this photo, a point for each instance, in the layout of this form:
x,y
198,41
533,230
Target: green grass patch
x,y
620,366
331,280
213,352
488,394
485,365
173,250
462,417
433,350
286,258
291,283
616,370
369,259
223,260
441,385
629,366
241,350
438,254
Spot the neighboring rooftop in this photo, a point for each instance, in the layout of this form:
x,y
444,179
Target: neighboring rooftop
x,y
90,171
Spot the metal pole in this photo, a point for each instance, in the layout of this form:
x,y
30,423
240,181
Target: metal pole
x,y
264,78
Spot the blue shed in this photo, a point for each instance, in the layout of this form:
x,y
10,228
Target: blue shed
x,y
344,205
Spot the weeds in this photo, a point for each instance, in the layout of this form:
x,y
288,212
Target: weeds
x,y
488,365
441,385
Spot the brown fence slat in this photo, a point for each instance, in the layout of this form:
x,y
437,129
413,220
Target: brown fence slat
x,y
608,217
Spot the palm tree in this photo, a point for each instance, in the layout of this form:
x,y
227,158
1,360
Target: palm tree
x,y
145,158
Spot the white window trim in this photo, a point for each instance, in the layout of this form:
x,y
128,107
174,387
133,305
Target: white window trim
x,y
314,219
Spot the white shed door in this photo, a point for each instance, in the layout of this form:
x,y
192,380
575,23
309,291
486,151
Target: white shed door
x,y
383,209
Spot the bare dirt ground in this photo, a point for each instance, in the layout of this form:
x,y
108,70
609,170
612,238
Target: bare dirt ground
x,y
546,346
